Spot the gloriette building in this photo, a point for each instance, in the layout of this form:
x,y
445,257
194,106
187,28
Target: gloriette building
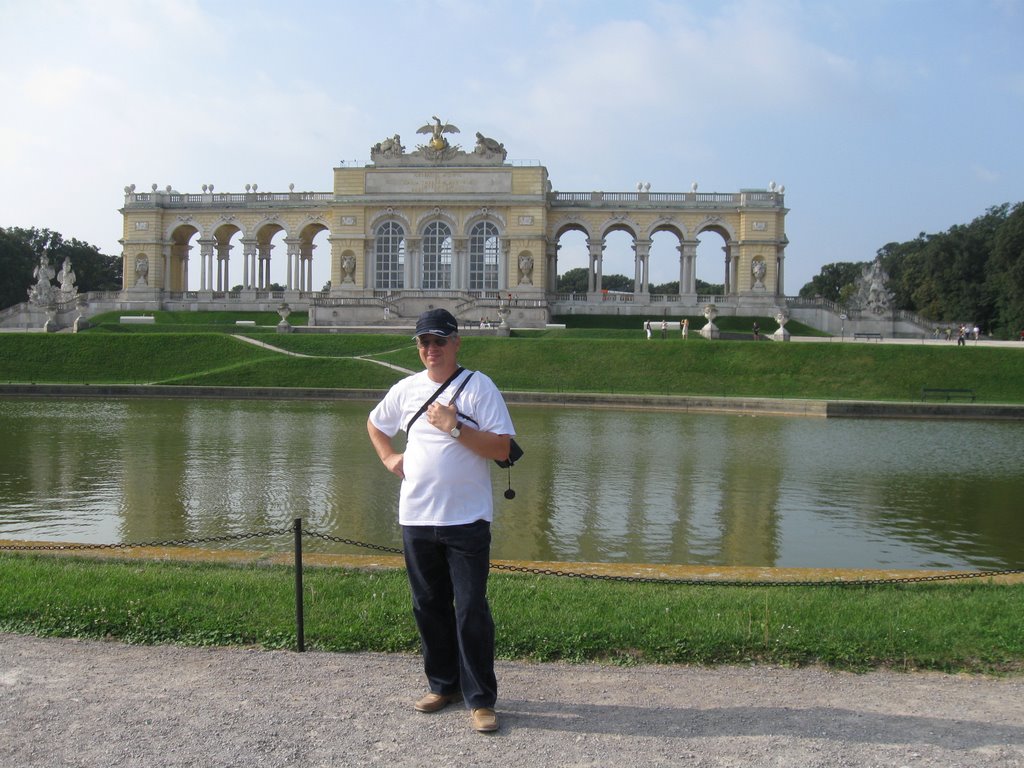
x,y
440,225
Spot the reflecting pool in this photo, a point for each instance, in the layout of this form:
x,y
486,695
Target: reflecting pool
x,y
595,485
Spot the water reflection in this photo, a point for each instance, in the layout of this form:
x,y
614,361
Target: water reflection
x,y
596,485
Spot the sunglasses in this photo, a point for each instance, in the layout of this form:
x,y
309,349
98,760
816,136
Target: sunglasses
x,y
438,341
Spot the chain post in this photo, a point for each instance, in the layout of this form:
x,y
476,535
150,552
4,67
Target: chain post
x,y
300,635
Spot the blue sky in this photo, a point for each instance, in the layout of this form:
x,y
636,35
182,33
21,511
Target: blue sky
x,y
882,118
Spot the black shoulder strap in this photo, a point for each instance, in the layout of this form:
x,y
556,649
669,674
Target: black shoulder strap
x,y
462,386
434,396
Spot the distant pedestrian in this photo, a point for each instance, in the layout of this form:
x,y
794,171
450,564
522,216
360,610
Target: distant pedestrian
x,y
686,328
647,329
664,329
757,331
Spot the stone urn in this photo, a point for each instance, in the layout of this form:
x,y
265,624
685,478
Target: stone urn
x,y
781,334
710,330
284,326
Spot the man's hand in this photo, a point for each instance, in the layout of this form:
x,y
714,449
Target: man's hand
x,y
395,464
389,457
444,417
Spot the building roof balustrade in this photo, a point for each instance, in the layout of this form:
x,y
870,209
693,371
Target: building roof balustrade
x,y
666,199
696,200
224,199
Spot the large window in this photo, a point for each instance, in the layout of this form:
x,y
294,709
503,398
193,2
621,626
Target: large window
x,y
483,257
390,256
437,256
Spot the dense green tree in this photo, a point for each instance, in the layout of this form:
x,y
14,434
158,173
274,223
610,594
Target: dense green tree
x,y
971,273
20,250
18,258
617,283
573,281
833,278
1006,279
710,289
703,289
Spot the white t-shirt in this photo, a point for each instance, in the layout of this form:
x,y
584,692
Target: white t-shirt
x,y
445,482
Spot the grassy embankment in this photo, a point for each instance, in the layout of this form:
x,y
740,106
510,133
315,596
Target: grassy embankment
x,y
611,360
975,626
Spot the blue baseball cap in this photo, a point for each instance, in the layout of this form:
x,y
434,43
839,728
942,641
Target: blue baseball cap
x,y
438,322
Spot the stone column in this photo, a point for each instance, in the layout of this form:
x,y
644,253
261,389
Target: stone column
x,y
460,263
165,277
369,265
688,267
596,248
551,267
305,272
504,248
642,248
292,244
206,264
223,261
413,265
732,258
780,264
264,261
248,264
180,251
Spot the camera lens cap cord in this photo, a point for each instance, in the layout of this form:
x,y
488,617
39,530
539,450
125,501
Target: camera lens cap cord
x,y
510,494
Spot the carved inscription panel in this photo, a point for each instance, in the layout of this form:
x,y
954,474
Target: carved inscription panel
x,y
432,182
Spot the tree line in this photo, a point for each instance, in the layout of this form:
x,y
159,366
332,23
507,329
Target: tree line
x,y
20,252
971,273
575,281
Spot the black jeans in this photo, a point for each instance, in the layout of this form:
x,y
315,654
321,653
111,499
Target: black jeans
x,y
447,567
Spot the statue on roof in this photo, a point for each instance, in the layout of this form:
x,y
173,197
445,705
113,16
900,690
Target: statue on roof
x,y
437,150
437,142
489,147
390,147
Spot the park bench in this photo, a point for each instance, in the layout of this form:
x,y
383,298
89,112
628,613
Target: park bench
x,y
947,394
245,322
867,335
137,319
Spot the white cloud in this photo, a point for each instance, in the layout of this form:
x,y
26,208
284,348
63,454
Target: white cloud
x,y
985,175
831,98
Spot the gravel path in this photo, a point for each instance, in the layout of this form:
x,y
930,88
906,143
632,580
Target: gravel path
x,y
84,703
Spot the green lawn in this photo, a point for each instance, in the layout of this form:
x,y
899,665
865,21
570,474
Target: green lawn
x,y
973,627
545,362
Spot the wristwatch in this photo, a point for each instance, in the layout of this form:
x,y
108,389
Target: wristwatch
x,y
456,430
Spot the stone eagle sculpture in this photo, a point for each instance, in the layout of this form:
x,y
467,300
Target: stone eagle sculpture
x,y
437,141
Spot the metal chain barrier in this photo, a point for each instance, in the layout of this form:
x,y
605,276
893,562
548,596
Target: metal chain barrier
x,y
537,571
298,532
693,582
351,542
123,545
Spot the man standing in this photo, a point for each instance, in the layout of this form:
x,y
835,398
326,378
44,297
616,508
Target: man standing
x,y
445,509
